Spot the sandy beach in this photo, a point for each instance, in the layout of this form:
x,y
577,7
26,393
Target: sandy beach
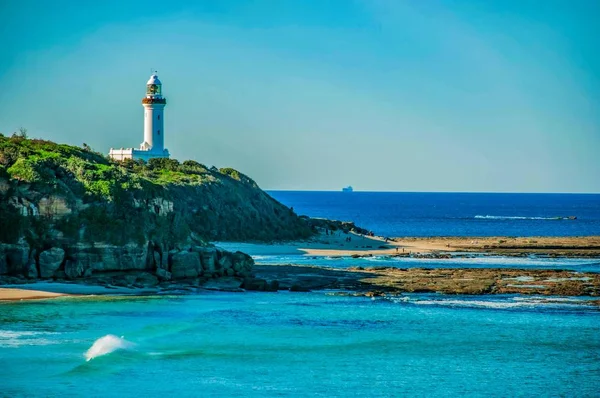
x,y
336,244
14,294
49,290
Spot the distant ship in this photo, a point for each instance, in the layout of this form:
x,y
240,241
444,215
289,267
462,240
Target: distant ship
x,y
348,189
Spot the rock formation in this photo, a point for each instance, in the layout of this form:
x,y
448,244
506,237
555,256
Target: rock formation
x,y
70,213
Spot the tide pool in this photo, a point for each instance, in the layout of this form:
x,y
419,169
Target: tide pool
x,y
300,344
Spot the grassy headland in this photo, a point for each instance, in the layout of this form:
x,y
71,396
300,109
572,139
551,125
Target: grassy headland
x,y
62,190
70,212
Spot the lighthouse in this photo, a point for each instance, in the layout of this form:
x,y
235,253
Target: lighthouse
x,y
153,145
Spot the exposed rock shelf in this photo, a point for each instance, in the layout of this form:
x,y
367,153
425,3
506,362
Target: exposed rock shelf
x,y
420,280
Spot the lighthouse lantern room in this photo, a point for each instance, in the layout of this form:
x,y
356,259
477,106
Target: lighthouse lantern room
x,y
153,145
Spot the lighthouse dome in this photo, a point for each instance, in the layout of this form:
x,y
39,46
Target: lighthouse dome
x,y
154,79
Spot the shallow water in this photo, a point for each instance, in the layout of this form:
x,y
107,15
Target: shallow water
x,y
257,344
475,261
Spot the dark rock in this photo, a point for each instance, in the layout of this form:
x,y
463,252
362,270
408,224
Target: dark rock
x,y
185,265
146,279
208,256
73,268
163,274
32,272
50,260
274,286
15,258
223,284
255,284
225,262
299,288
60,274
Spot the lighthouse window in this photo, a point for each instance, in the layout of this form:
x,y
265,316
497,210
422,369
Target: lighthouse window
x,y
158,117
158,132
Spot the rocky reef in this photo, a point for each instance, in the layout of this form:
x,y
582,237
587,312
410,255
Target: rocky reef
x,y
71,213
469,281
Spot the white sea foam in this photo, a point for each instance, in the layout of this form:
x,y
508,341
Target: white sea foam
x,y
528,286
17,338
522,279
106,345
584,278
515,302
488,217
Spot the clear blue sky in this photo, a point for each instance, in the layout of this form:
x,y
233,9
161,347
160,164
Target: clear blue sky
x,y
315,94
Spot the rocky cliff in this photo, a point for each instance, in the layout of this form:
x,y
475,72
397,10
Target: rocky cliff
x,y
68,212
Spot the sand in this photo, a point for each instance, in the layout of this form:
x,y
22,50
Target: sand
x,y
321,245
48,290
13,294
336,245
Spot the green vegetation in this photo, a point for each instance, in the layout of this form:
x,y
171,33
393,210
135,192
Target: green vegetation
x,y
52,192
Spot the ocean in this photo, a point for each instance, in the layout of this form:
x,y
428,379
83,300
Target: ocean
x,y
395,214
216,344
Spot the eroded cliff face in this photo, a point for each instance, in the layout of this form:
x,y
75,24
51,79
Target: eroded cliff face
x,y
67,212
139,266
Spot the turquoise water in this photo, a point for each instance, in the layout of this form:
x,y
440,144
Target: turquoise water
x,y
526,263
302,344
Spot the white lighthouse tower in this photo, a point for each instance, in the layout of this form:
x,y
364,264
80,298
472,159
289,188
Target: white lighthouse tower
x,y
154,132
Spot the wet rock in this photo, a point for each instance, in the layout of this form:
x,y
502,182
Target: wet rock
x,y
255,284
223,284
299,288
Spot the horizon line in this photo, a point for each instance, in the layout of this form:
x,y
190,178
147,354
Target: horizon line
x,y
467,192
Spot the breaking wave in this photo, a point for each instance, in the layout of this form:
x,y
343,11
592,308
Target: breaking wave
x,y
500,303
488,217
106,345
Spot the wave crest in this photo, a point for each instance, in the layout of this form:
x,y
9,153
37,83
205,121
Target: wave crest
x,y
106,345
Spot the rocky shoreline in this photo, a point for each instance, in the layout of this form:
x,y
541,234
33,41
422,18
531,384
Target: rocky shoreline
x,y
471,281
358,281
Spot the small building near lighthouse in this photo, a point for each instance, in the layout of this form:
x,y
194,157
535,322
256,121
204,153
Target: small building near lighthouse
x,y
153,145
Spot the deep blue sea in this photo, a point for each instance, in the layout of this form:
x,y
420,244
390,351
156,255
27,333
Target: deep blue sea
x,y
396,214
213,344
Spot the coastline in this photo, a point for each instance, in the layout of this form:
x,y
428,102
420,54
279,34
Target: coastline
x,y
335,244
359,280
